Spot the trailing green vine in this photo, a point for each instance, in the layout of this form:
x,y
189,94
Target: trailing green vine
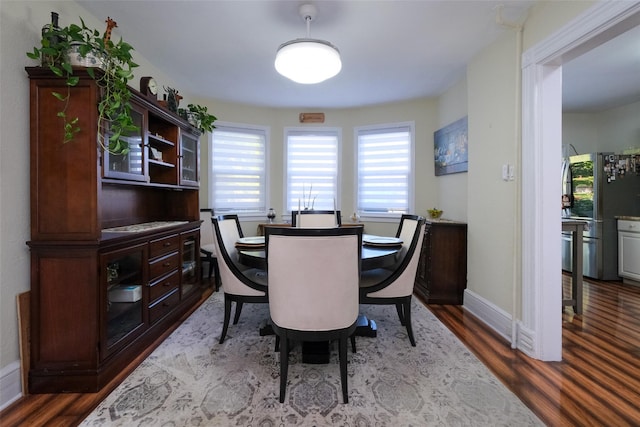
x,y
114,65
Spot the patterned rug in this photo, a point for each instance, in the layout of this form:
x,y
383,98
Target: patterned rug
x,y
191,380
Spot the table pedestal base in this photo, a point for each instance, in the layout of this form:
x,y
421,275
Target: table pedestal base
x,y
319,352
366,327
266,329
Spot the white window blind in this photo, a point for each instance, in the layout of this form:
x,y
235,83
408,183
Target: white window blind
x,y
385,169
312,169
238,170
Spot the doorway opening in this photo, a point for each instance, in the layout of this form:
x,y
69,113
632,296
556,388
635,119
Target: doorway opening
x,y
540,329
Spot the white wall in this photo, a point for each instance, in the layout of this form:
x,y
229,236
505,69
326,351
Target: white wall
x,y
579,130
493,111
619,128
616,130
451,194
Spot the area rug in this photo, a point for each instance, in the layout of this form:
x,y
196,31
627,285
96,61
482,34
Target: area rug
x,y
191,380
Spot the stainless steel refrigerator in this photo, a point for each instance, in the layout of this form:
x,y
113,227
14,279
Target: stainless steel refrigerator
x,y
598,187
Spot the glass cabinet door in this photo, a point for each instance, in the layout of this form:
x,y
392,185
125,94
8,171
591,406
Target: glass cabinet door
x,y
190,262
130,166
123,281
189,156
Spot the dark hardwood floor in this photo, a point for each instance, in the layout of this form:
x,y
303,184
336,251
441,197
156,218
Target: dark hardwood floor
x,y
598,381
596,384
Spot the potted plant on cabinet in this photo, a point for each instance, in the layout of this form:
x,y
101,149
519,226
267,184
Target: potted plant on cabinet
x,y
109,64
198,116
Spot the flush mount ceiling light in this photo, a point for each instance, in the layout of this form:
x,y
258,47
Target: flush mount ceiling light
x,y
308,60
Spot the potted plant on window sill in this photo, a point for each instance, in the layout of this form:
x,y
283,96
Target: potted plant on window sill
x,y
62,47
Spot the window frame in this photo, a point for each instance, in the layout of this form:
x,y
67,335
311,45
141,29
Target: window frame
x,y
337,131
248,128
384,128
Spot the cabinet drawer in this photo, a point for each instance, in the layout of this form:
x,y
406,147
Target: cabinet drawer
x,y
158,309
631,226
163,286
164,265
163,246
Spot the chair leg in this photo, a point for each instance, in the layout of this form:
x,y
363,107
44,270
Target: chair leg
x,y
210,261
353,343
284,366
216,271
238,310
227,316
277,343
400,314
407,320
342,354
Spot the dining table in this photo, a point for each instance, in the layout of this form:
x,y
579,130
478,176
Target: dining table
x,y
377,252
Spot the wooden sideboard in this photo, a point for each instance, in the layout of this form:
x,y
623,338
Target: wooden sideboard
x,y
115,238
442,271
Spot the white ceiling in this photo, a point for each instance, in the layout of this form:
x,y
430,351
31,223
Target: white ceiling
x,y
605,77
391,50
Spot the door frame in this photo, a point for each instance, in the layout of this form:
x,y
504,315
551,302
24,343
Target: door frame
x,y
540,326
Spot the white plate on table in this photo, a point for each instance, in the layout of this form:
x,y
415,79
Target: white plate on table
x,y
381,241
254,241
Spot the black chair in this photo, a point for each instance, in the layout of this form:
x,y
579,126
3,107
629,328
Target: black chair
x,y
239,283
313,289
394,286
207,248
316,218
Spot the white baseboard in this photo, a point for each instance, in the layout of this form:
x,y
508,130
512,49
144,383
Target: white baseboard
x,y
495,317
500,321
10,384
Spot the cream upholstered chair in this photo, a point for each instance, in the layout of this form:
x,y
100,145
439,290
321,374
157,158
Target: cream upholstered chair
x,y
315,218
207,248
394,286
313,289
240,284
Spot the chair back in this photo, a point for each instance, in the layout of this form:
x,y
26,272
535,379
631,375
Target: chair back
x,y
231,231
206,228
313,277
227,231
316,219
401,281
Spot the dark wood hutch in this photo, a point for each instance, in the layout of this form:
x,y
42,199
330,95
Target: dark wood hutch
x,y
114,238
442,270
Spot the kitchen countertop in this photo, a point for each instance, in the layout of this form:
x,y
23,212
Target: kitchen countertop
x,y
628,218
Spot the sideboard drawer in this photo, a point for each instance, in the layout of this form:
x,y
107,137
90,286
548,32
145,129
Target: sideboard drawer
x,y
161,266
163,246
160,308
163,286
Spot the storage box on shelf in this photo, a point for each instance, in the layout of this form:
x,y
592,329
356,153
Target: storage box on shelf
x,y
103,225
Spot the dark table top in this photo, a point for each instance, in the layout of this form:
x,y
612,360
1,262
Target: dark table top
x,y
372,258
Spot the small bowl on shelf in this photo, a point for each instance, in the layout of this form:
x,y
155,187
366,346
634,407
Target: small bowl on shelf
x,y
434,213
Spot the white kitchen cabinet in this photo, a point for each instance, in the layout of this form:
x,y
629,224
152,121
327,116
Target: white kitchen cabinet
x,y
629,250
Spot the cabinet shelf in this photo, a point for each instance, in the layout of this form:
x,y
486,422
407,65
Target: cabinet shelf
x,y
153,138
161,163
124,279
124,318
